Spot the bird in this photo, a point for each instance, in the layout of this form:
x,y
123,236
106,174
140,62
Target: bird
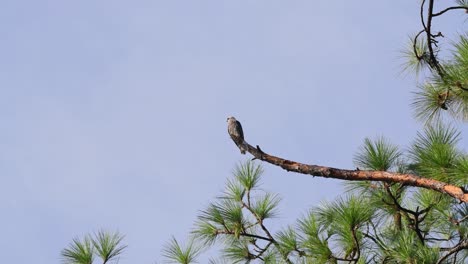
x,y
236,133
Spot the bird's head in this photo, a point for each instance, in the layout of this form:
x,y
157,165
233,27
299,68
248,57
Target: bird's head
x,y
230,118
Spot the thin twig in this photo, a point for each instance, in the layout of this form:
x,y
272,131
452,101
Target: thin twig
x,y
448,9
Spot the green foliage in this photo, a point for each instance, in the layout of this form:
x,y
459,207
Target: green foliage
x,y
234,191
379,154
175,253
375,221
441,92
238,251
460,52
404,247
218,261
457,78
314,241
459,171
434,152
80,251
287,240
248,175
344,213
427,102
342,219
224,216
265,206
415,62
106,245
462,3
237,217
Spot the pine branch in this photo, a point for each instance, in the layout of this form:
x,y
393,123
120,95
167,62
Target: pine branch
x,y
430,41
245,234
450,8
265,230
454,250
359,175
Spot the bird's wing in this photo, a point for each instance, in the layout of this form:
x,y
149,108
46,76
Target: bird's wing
x,y
241,132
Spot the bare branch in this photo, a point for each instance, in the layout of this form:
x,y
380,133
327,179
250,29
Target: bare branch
x,y
359,175
430,40
448,9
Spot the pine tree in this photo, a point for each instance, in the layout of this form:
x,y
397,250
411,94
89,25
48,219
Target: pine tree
x,y
400,206
104,245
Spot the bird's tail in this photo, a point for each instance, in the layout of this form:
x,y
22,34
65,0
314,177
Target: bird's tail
x,y
242,147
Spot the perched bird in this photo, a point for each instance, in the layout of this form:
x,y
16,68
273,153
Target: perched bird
x,y
236,133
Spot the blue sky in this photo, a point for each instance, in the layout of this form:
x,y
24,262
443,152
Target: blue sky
x,y
114,112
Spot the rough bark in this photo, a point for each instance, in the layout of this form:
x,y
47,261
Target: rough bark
x,y
359,175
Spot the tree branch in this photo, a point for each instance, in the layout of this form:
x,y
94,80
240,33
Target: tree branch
x,y
454,250
270,237
430,40
448,9
260,253
421,15
228,232
359,175
415,42
358,248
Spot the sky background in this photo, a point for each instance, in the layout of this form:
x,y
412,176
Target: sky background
x,y
113,113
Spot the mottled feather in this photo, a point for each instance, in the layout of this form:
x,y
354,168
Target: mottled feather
x,y
236,133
